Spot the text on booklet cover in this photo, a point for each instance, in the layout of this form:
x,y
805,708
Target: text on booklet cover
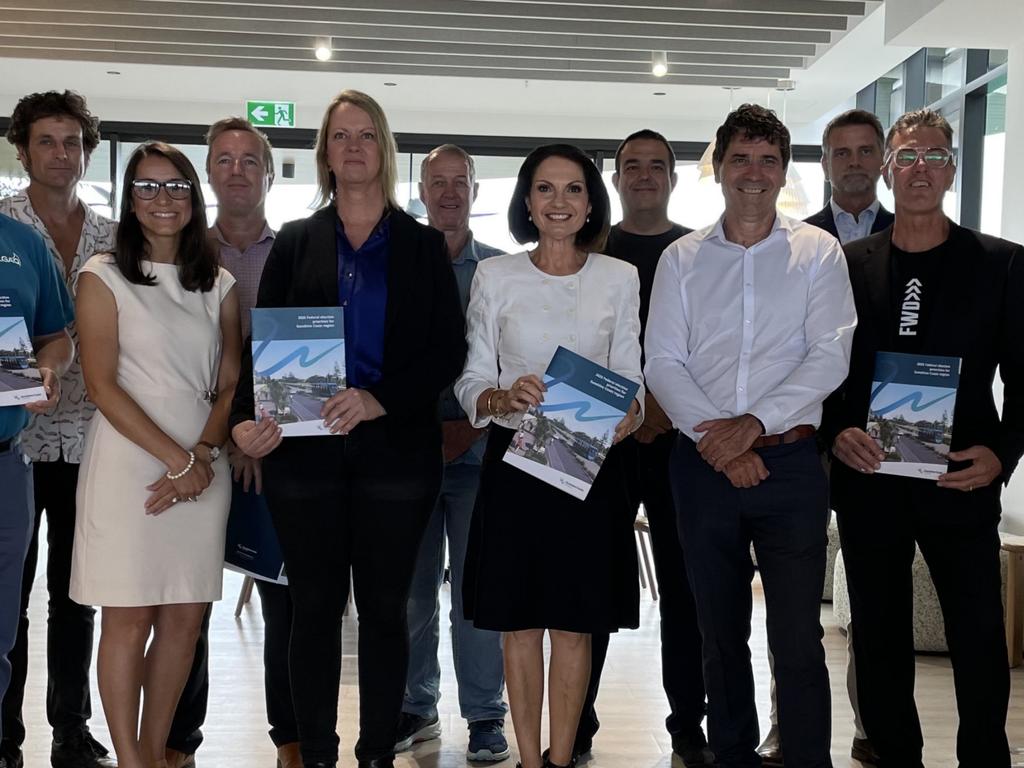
x,y
911,412
20,381
565,440
298,363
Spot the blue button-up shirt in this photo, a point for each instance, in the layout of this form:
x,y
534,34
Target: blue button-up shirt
x,y
363,296
465,267
850,228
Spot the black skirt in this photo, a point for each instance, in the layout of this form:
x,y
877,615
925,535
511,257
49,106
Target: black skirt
x,y
539,558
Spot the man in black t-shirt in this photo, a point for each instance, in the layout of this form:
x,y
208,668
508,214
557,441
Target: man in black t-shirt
x,y
929,287
645,177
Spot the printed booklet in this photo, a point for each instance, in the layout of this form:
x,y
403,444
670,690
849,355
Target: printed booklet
x,y
251,545
565,440
911,412
298,362
20,381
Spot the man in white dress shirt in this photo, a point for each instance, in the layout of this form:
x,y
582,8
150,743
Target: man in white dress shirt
x,y
750,329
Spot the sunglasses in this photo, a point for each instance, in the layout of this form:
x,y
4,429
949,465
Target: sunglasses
x,y
147,189
907,157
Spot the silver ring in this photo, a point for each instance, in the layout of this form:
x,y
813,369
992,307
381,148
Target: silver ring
x,y
174,500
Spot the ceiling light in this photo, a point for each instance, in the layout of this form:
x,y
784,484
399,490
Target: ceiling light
x,y
659,93
390,85
323,48
659,63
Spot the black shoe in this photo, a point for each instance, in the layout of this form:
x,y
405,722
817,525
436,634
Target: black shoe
x,y
320,765
579,749
80,750
693,749
864,751
413,729
12,761
378,762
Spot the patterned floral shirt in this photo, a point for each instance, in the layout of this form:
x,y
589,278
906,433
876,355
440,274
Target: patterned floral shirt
x,y
48,437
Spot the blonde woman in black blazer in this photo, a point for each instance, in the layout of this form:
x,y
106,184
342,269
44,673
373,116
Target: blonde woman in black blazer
x,y
358,499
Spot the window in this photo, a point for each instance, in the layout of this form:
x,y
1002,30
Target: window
x,y
992,157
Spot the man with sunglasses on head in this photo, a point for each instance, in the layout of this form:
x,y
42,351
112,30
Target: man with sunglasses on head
x,y
54,135
927,286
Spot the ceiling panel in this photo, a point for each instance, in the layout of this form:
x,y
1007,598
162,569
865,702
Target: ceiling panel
x,y
746,43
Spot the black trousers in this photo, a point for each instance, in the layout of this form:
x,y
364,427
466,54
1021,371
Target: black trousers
x,y
961,549
69,626
186,729
682,672
341,505
784,518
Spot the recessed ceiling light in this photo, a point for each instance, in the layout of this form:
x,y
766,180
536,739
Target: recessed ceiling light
x,y
659,63
391,85
659,93
323,48
113,72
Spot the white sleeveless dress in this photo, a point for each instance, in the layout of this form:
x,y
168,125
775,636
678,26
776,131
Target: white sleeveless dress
x,y
169,351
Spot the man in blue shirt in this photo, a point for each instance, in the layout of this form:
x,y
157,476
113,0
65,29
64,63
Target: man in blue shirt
x,y
447,188
30,287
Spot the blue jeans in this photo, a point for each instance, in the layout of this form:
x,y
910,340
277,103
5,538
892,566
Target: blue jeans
x,y
477,652
17,511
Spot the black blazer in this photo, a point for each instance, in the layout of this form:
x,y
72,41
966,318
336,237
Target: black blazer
x,y
979,317
424,330
824,219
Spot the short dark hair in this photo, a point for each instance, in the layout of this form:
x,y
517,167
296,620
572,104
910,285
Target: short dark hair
x,y
920,118
240,124
752,121
646,133
594,232
36,106
198,259
853,117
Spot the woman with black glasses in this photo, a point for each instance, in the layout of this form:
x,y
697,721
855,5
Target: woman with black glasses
x,y
160,343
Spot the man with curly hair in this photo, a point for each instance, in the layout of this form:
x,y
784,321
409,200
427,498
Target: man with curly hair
x,y
54,135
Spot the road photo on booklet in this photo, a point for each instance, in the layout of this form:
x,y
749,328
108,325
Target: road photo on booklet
x,y
298,362
911,412
20,381
565,440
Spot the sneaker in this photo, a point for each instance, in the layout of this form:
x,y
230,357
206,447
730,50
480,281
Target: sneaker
x,y
413,729
79,750
487,741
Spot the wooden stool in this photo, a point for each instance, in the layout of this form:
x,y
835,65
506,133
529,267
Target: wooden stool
x,y
1014,548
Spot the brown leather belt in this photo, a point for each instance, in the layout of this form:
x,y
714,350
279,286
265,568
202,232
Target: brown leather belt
x,y
799,432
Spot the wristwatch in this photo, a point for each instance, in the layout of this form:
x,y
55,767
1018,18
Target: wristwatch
x,y
213,450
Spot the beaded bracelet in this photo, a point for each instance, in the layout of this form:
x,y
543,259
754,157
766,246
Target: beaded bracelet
x,y
185,471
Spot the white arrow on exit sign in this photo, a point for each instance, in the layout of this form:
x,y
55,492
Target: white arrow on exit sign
x,y
260,113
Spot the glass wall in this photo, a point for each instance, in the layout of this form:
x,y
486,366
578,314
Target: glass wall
x,y
994,149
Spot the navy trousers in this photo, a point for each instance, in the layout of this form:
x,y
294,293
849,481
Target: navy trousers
x,y
784,517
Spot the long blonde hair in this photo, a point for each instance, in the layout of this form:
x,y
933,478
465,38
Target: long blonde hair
x,y
325,180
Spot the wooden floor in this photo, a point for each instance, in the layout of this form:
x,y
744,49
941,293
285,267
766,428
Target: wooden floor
x,y
631,706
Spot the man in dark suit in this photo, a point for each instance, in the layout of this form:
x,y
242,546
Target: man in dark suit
x,y
851,154
929,287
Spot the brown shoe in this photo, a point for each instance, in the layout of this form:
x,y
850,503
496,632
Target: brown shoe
x,y
176,759
288,756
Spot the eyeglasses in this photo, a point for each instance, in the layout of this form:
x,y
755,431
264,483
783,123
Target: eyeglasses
x,y
907,157
147,189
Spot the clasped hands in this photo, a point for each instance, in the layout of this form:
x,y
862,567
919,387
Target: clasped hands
x,y
726,446
859,451
529,390
165,492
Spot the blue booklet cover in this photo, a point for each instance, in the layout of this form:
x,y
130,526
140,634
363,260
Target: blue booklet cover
x,y
298,362
251,545
911,412
20,381
565,440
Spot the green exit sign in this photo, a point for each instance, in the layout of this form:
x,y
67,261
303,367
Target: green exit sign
x,y
280,114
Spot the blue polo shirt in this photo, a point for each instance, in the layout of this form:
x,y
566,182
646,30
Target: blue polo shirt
x,y
30,281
